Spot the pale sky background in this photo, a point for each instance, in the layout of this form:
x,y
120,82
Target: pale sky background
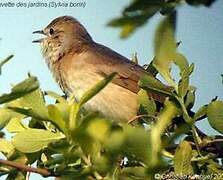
x,y
199,29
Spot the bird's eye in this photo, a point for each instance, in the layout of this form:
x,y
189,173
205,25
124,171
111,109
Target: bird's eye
x,y
51,31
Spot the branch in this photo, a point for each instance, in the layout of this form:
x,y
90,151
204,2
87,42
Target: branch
x,y
204,158
6,60
41,171
140,116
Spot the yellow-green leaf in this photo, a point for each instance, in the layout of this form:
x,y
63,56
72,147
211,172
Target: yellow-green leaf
x,y
6,146
183,65
153,85
33,140
15,125
146,105
35,101
56,117
5,117
21,89
215,115
165,47
98,129
182,159
202,112
127,29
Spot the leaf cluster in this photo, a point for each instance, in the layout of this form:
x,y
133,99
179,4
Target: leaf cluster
x,y
138,12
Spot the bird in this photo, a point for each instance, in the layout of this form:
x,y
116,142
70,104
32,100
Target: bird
x,y
77,63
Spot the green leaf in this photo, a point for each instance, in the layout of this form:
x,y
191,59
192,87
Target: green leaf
x,y
118,22
56,117
55,96
137,143
14,103
4,62
129,22
30,113
143,5
73,116
164,119
153,85
115,140
169,7
20,90
5,117
146,104
96,89
15,125
135,58
6,146
36,116
183,65
151,69
33,140
182,159
136,20
215,115
200,2
35,101
165,47
215,168
127,29
191,69
64,109
166,53
202,112
130,173
98,128
190,97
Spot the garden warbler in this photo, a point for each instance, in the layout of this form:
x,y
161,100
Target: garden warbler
x,y
77,63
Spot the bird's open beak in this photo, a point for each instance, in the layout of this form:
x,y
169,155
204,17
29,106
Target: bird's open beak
x,y
38,40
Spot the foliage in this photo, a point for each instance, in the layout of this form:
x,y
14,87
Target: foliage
x,y
138,12
64,140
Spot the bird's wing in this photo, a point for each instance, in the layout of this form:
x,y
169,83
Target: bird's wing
x,y
128,73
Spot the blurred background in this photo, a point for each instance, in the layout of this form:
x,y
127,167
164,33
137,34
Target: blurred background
x,y
199,29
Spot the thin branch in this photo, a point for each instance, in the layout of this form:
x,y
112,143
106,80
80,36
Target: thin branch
x,y
204,158
28,175
41,171
6,60
215,141
140,116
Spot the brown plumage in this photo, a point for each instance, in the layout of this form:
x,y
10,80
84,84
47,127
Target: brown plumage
x,y
78,62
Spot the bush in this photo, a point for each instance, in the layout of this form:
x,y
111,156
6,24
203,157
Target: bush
x,y
64,141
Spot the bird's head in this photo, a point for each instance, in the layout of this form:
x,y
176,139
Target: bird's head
x,y
62,34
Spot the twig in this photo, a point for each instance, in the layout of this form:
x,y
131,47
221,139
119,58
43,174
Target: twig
x,y
140,116
204,158
28,175
6,60
41,171
215,141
